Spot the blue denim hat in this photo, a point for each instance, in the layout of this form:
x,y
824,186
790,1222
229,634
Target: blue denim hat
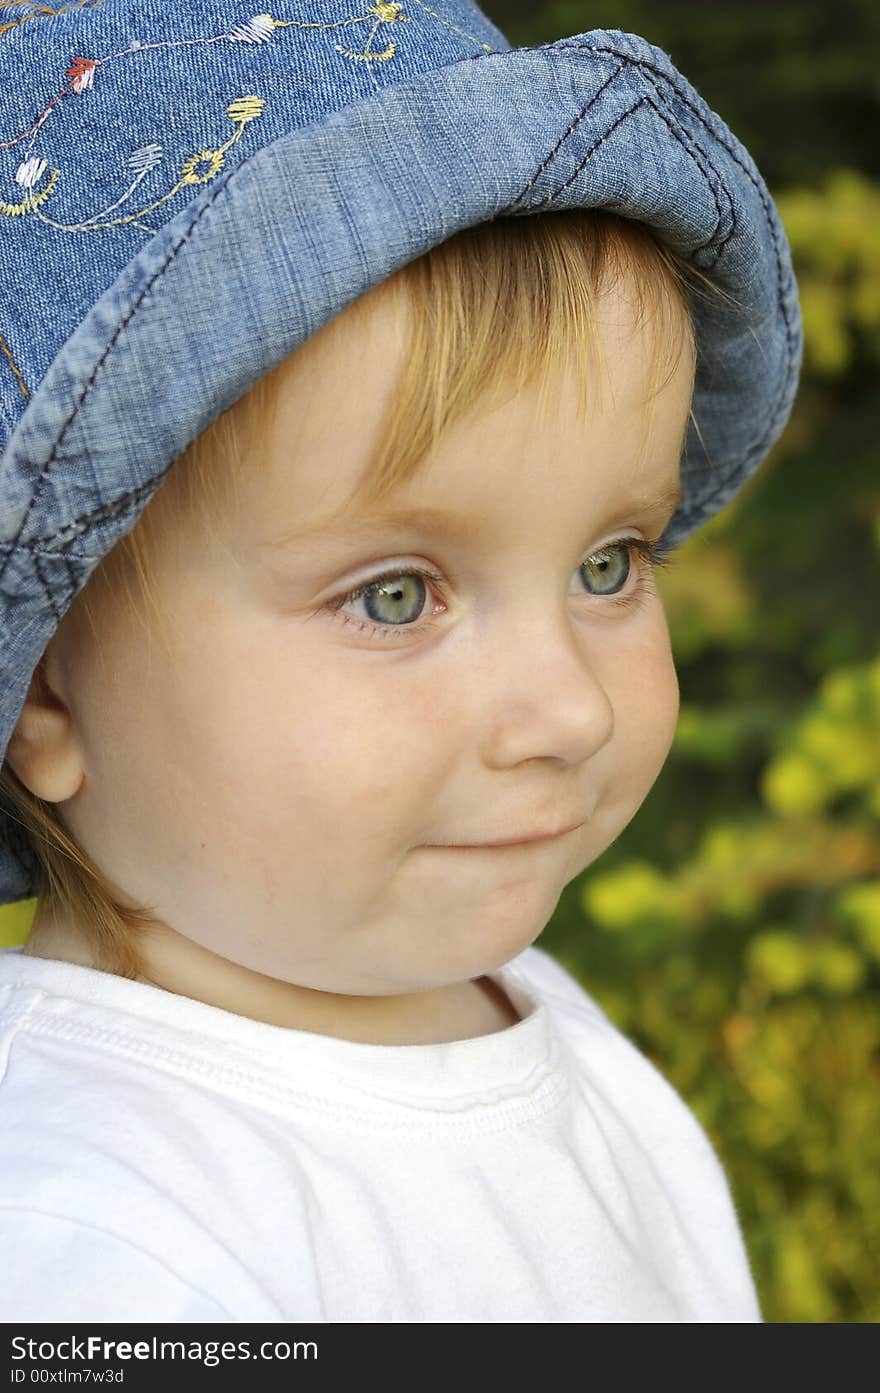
x,y
188,192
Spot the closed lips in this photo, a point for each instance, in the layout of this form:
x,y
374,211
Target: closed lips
x,y
509,841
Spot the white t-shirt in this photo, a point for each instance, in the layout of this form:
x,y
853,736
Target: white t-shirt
x,y
164,1160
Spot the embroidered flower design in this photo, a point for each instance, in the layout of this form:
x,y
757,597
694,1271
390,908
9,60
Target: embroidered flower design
x,y
29,172
146,158
388,10
142,160
189,169
257,30
205,164
241,111
82,71
245,109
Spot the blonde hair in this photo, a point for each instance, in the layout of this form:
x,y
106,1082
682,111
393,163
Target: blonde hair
x,y
500,304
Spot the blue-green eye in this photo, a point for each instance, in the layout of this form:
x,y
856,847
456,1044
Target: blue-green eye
x,y
396,599
607,571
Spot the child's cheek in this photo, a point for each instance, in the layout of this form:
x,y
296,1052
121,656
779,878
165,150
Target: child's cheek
x,y
648,709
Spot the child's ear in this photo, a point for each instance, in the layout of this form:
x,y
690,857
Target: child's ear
x,y
43,751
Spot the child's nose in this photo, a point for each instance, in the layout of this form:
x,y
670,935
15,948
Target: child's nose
x,y
546,697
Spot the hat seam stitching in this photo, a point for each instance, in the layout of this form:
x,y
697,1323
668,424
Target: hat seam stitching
x,y
781,280
671,126
566,133
87,387
718,176
132,497
722,141
699,509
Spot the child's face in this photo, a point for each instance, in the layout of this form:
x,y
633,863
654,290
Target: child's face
x,y
277,787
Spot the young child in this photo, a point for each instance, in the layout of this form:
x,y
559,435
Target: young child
x,y
448,344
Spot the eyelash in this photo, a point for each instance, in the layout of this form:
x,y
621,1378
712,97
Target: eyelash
x,y
652,554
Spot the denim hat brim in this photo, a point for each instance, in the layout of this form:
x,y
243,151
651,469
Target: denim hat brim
x,y
282,241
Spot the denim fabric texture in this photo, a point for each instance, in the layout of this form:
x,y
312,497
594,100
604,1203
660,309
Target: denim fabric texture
x,y
188,192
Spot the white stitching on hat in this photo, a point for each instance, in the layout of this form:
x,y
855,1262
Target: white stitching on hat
x,y
240,112
260,29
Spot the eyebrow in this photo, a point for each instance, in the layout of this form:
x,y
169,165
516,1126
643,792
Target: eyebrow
x,y
449,524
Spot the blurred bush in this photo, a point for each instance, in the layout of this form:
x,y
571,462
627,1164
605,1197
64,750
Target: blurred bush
x,y
15,922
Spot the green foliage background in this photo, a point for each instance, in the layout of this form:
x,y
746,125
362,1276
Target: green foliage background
x,y
733,930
